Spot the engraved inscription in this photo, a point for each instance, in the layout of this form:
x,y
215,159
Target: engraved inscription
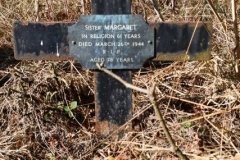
x,y
112,40
116,41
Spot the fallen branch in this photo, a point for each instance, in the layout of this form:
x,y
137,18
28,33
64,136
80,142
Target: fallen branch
x,y
151,95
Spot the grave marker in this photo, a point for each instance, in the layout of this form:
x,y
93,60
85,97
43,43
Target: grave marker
x,y
116,41
119,42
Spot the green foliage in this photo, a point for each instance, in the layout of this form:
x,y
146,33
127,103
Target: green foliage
x,y
68,109
50,156
201,131
186,124
48,115
50,95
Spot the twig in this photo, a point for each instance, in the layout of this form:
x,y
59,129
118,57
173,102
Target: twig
x,y
191,102
235,25
156,9
144,10
37,10
170,88
151,95
173,4
162,122
236,50
66,8
189,45
50,11
121,80
83,6
216,14
222,136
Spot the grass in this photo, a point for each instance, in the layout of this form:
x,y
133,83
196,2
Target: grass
x,y
199,100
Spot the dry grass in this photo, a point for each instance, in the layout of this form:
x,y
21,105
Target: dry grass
x,y
200,101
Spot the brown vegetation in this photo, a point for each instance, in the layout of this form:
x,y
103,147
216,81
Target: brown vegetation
x,y
200,101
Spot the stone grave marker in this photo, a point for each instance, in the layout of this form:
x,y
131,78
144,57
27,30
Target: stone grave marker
x,y
119,41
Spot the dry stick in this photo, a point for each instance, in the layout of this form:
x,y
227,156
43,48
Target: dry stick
x,y
66,8
49,10
151,95
191,102
156,9
162,122
236,50
235,26
222,136
173,4
189,45
73,66
83,6
210,115
121,80
36,10
144,10
145,147
216,14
